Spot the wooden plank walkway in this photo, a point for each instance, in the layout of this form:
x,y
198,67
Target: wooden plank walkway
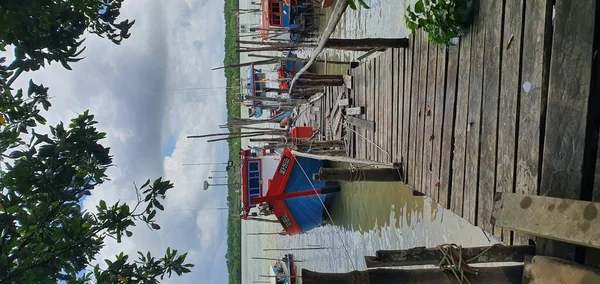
x,y
511,108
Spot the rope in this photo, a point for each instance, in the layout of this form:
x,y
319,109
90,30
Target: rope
x,y
328,216
452,259
368,140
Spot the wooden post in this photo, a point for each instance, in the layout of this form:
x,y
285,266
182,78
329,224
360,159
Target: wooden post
x,y
424,256
366,43
487,275
342,174
266,258
279,100
297,59
321,82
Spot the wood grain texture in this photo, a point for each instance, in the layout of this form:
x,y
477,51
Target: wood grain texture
x,y
414,96
400,141
447,151
568,95
438,121
474,117
428,121
460,127
509,97
533,96
370,92
489,112
406,110
420,130
395,123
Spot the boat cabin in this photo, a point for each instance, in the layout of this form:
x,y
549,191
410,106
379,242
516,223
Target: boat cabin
x,y
257,168
282,16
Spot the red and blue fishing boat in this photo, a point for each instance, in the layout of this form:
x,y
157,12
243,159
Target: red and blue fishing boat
x,y
293,196
291,16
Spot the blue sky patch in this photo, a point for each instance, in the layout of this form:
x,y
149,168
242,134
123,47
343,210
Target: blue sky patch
x,y
169,146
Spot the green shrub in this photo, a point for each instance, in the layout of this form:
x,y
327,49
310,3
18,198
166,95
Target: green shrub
x,y
443,20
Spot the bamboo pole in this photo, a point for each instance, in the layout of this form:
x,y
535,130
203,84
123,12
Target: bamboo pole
x,y
229,133
280,100
240,136
290,249
298,59
260,62
359,174
259,234
267,258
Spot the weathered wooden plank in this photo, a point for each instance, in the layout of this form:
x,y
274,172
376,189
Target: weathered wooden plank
x,y
509,95
398,141
349,135
394,122
568,95
438,121
358,90
406,106
347,81
428,121
461,123
387,105
362,123
533,97
346,102
362,101
567,220
474,117
544,269
489,112
369,103
433,256
420,131
355,110
447,151
379,82
414,106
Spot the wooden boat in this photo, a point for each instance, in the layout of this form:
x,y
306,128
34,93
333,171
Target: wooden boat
x,y
284,271
284,16
296,199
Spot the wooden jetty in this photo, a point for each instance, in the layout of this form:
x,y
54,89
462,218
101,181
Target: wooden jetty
x,y
512,108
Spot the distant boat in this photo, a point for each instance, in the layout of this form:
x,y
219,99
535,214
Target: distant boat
x,y
284,271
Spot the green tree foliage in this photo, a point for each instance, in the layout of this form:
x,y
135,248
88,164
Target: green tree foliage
x,y
46,31
232,75
45,236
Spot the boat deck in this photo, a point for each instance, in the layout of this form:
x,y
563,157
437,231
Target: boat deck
x,y
512,108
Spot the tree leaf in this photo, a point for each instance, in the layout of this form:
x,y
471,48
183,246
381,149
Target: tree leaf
x,y
16,154
158,205
155,226
128,233
103,204
419,7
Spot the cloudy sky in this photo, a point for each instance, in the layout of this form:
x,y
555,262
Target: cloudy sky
x,y
135,92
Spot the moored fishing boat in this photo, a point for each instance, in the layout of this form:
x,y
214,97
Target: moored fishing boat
x,y
294,197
